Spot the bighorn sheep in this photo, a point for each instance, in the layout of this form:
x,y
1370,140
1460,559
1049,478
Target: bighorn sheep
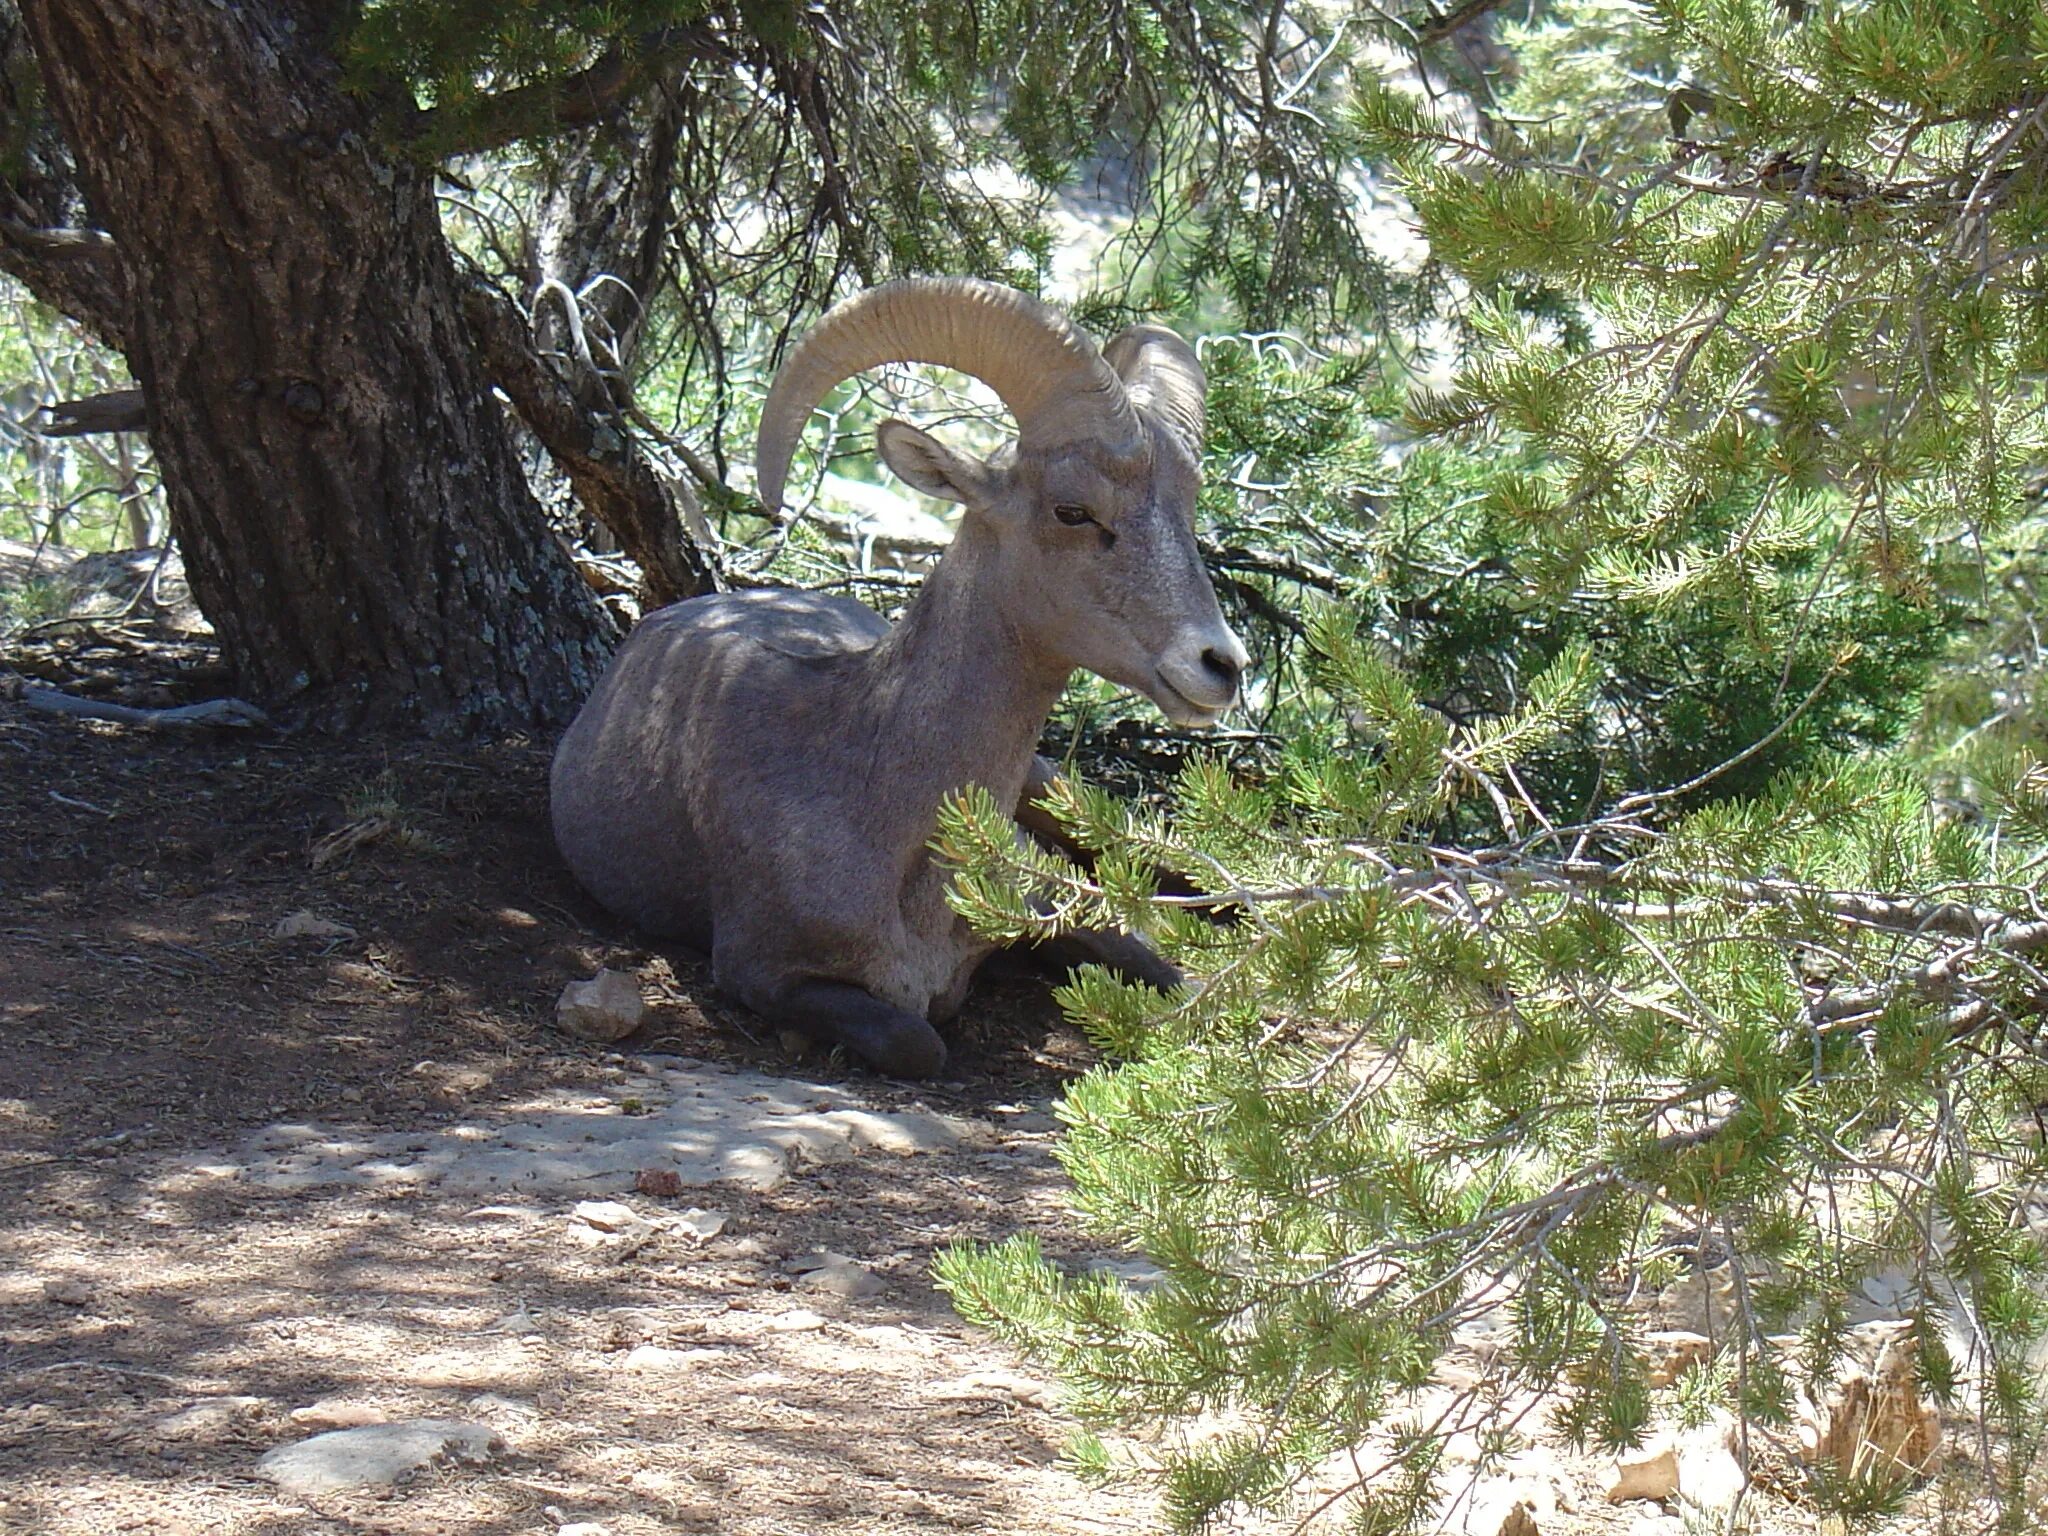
x,y
759,773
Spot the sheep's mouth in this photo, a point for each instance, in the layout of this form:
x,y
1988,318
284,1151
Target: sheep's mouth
x,y
1178,707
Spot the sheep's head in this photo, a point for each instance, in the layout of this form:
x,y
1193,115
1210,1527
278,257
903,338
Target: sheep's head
x,y
1088,517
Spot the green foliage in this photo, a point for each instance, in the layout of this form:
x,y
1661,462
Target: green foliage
x,y
1809,236
1633,886
1417,1087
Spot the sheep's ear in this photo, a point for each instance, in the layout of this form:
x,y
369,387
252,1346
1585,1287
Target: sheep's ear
x,y
928,465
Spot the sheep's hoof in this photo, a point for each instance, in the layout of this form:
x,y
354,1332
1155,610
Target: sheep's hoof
x,y
888,1039
902,1046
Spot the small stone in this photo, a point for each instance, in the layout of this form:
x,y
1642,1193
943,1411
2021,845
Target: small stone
x,y
606,1007
68,1293
799,1320
337,1413
1669,1353
611,1216
1650,1472
305,925
843,1277
702,1225
583,1528
376,1455
660,1183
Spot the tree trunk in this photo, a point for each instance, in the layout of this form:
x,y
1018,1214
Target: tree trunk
x,y
340,480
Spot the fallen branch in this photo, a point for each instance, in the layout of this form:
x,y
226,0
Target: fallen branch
x,y
219,713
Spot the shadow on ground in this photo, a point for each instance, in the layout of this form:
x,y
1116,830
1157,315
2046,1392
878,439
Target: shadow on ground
x,y
158,1331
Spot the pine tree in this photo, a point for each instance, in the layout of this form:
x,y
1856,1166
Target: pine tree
x,y
1582,937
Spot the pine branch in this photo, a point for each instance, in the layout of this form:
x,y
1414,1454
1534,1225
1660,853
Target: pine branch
x,y
589,96
1443,23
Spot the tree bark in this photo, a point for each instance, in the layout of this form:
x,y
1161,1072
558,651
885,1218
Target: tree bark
x,y
340,480
45,240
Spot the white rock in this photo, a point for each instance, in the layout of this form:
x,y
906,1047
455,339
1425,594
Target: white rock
x,y
376,1455
606,1007
798,1320
1649,1472
305,925
702,1225
611,1216
583,1528
1710,1481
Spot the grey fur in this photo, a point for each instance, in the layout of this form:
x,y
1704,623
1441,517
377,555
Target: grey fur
x,y
760,773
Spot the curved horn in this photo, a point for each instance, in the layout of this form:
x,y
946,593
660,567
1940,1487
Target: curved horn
x,y
1046,369
1164,378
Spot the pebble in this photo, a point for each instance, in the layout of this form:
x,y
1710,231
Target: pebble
x,y
607,1006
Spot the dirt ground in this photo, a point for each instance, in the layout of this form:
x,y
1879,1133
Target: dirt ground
x,y
145,1010
158,1333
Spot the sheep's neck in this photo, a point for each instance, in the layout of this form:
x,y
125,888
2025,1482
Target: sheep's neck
x,y
956,683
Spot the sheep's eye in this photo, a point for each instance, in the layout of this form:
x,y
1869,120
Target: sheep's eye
x,y
1073,516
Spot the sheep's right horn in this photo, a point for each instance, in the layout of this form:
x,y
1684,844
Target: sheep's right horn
x,y
1165,378
1046,369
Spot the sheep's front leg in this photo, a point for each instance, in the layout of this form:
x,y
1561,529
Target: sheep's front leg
x,y
893,1042
1124,953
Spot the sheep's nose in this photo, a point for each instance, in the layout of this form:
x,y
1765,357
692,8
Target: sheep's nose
x,y
1225,668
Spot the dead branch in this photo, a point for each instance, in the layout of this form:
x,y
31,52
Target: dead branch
x,y
120,410
610,475
216,713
